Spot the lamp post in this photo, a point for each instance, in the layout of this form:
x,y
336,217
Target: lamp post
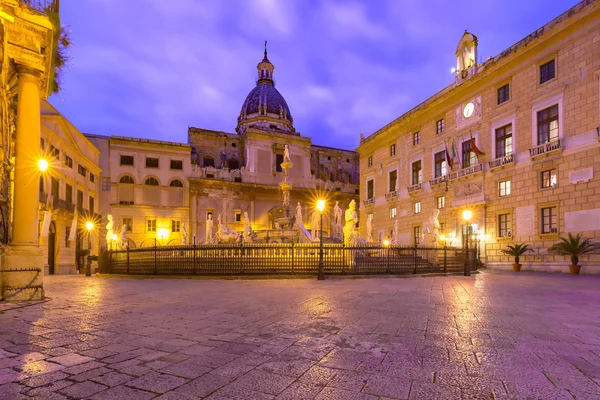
x,y
321,207
467,214
89,226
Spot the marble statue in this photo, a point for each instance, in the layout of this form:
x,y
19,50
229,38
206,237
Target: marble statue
x,y
124,236
351,219
109,232
225,234
184,235
286,154
337,219
247,228
369,230
315,224
299,220
209,229
431,229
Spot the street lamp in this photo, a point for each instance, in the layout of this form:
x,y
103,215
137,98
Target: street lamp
x,y
89,226
321,207
467,214
43,164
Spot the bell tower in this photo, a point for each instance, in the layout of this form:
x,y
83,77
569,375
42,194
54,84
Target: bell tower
x,y
466,57
265,70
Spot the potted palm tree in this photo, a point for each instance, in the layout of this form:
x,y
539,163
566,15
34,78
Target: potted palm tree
x,y
516,250
574,246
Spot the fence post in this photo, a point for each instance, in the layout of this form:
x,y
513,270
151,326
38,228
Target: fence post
x,y
415,258
445,257
110,261
292,256
388,260
241,257
127,258
155,259
194,258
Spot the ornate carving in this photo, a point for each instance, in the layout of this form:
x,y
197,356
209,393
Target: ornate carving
x,y
468,189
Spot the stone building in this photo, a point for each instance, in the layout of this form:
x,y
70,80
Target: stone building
x,y
514,138
29,32
144,188
68,189
237,173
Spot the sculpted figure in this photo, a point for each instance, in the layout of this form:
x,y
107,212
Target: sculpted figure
x,y
124,236
337,213
369,230
286,154
247,228
209,229
315,222
109,232
184,235
299,220
351,218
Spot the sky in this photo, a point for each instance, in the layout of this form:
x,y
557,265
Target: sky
x,y
152,68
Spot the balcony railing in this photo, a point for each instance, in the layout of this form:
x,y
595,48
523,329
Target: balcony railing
x,y
546,148
368,201
466,171
438,180
391,195
42,5
414,188
498,162
43,197
64,205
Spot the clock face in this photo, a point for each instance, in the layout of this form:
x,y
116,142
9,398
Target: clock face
x,y
468,110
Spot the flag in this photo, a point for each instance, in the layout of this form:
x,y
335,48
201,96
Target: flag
x,y
455,153
449,160
46,224
73,231
475,149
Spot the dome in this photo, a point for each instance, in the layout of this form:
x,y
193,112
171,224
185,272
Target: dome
x,y
265,94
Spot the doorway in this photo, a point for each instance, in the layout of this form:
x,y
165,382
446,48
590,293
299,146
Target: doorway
x,y
51,248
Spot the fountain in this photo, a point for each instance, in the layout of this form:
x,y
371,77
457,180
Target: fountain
x,y
287,220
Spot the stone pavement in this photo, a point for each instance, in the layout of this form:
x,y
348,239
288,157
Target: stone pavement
x,y
489,336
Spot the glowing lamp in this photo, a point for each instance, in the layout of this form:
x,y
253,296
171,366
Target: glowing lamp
x,y
467,214
443,238
43,164
162,233
386,242
320,205
89,225
114,237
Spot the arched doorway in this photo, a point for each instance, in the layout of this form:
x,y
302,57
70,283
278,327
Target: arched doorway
x,y
51,248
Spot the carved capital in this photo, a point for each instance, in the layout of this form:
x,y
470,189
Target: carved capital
x,y
27,72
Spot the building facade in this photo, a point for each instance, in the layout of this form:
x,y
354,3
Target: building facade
x,y
515,139
144,188
69,190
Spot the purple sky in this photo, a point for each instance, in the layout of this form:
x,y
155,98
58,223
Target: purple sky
x,y
151,68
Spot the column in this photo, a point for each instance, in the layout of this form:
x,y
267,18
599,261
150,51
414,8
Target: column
x,y
194,217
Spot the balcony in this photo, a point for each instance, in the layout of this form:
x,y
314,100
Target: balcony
x,y
368,202
414,188
391,195
439,180
64,205
499,162
43,197
466,171
546,148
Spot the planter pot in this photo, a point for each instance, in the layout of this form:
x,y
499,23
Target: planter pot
x,y
516,267
574,269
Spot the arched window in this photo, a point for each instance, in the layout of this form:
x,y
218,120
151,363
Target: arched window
x,y
233,163
151,181
208,161
126,179
176,183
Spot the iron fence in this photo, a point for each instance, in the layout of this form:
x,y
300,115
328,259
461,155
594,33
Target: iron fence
x,y
286,259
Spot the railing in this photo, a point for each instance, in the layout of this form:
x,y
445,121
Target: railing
x,y
498,162
438,180
545,148
42,5
43,197
466,171
414,188
64,205
391,194
368,202
286,259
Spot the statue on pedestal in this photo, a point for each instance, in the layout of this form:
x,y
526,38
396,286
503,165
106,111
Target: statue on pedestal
x,y
184,235
209,229
124,236
337,219
286,154
369,230
109,232
247,228
351,218
315,224
431,229
299,220
225,234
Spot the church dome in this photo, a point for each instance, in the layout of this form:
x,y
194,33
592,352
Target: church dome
x,y
265,107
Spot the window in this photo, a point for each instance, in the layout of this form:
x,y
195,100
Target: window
x,y
278,161
92,178
504,225
176,183
393,212
392,150
503,94
54,185
504,188
238,216
440,202
42,144
440,164
416,207
127,160
547,124
177,164
91,204
81,169
370,189
106,183
151,181
54,152
68,161
151,162
549,178
67,234
150,225
126,179
233,164
41,184
69,193
79,199
504,143
469,158
175,225
417,172
416,138
370,161
549,220
393,180
128,221
208,161
547,71
439,126
417,235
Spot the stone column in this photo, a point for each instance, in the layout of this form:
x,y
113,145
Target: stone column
x,y
193,218
23,261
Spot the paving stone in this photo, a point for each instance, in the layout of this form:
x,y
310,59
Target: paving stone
x,y
186,369
264,382
203,386
121,393
330,393
113,379
69,360
157,382
83,389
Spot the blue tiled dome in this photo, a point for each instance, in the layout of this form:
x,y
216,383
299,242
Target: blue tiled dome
x,y
265,93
